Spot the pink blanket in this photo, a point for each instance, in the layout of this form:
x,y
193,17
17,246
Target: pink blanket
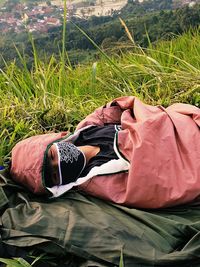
x,y
161,145
163,148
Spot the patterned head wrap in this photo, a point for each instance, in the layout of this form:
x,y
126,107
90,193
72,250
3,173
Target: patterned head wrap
x,y
71,162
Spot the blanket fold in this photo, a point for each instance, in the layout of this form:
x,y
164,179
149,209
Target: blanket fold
x,y
159,151
163,148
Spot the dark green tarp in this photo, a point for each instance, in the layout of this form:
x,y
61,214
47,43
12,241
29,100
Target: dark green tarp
x,y
97,231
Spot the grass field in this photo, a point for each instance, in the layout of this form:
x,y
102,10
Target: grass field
x,y
55,96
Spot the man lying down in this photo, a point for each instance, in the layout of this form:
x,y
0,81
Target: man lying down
x,y
127,152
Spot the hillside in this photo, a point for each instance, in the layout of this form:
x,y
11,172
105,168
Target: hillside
x,y
53,96
107,32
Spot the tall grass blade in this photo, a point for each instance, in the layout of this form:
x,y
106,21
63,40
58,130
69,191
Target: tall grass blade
x,y
148,38
12,86
12,263
127,31
35,56
64,32
99,49
121,262
23,262
94,72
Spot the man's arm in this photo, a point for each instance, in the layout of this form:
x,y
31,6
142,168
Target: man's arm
x,y
109,113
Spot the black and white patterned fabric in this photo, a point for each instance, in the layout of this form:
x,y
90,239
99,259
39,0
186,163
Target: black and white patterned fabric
x,y
71,162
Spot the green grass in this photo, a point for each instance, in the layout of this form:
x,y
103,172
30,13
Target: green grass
x,y
20,262
53,96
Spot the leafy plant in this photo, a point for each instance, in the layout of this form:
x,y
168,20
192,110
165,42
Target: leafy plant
x,y
20,262
16,262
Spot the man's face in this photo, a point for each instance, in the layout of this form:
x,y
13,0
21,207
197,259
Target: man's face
x,y
53,161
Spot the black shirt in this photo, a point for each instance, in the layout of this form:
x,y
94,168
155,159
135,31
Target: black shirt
x,y
103,137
